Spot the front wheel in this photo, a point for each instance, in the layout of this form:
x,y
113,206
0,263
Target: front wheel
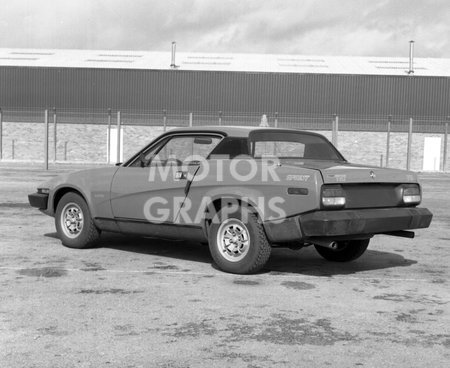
x,y
238,243
74,223
346,251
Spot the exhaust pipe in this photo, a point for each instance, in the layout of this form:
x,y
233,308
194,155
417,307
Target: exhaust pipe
x,y
331,244
401,233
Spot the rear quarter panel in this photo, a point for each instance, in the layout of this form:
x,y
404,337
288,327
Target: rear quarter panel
x,y
268,194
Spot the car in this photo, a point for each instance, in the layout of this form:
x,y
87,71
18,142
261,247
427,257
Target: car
x,y
242,191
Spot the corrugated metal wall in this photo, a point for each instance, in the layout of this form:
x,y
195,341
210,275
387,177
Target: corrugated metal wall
x,y
142,90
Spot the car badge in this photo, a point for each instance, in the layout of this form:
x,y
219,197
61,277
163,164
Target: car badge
x,y
372,175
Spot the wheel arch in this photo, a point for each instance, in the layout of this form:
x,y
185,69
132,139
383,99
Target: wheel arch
x,y
217,203
61,192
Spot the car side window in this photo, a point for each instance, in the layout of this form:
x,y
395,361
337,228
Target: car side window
x,y
279,149
231,147
178,148
147,155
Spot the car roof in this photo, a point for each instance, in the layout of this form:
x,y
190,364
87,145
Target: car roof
x,y
233,131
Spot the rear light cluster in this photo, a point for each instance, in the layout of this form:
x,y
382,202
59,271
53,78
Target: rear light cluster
x,y
333,197
411,194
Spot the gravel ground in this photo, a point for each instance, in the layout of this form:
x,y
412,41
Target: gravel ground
x,y
149,303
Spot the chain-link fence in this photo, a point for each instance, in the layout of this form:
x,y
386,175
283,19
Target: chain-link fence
x,y
69,135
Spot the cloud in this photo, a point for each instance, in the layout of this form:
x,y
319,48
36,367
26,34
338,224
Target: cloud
x,y
315,27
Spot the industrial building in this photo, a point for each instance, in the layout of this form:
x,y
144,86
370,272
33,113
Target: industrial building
x,y
85,93
288,85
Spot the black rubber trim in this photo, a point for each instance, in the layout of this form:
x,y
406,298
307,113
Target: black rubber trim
x,y
283,231
367,221
38,200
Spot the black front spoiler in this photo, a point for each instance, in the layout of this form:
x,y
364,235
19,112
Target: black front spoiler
x,y
38,200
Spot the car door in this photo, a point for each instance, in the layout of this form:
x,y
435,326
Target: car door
x,y
153,187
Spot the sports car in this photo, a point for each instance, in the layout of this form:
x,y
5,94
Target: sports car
x,y
242,191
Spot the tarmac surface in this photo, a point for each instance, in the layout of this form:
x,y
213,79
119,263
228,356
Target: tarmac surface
x,y
135,302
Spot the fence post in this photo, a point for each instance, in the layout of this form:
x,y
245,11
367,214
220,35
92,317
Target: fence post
x,y
164,119
46,139
220,117
276,120
408,152
55,142
335,130
108,143
118,136
190,119
388,139
444,161
65,151
1,134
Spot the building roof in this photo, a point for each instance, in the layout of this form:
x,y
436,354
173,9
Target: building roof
x,y
266,63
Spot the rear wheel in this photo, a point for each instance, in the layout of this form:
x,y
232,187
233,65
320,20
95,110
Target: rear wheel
x,y
238,243
74,223
346,251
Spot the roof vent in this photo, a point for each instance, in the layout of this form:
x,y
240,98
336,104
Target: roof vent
x,y
108,61
120,55
411,58
31,53
173,65
19,58
208,60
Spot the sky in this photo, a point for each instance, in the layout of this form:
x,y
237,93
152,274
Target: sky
x,y
304,27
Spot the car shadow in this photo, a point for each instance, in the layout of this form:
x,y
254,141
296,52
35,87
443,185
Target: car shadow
x,y
282,261
52,235
183,250
308,262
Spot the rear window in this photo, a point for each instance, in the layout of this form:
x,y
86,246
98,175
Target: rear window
x,y
285,145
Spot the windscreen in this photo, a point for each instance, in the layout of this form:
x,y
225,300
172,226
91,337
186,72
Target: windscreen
x,y
286,145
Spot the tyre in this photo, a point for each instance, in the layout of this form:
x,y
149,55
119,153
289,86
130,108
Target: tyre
x,y
74,223
237,242
346,251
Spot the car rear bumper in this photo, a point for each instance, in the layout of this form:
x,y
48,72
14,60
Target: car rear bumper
x,y
348,223
368,221
38,200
